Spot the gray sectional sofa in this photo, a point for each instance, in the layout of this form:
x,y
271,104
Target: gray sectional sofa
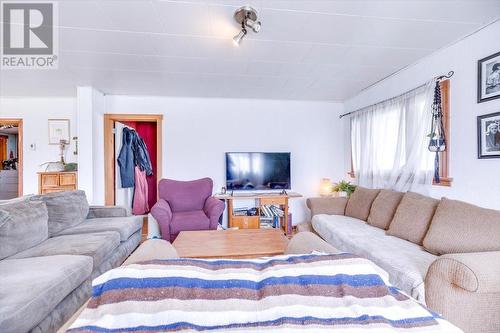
x,y
445,253
51,247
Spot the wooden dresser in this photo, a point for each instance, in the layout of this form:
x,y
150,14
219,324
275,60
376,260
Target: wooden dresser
x,y
49,182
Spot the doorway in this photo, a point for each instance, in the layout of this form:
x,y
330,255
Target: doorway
x,y
149,127
11,158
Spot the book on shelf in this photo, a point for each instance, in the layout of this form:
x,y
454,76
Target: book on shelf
x,y
266,225
276,210
276,221
271,211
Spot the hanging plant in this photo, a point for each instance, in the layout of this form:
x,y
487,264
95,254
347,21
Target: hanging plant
x,y
437,139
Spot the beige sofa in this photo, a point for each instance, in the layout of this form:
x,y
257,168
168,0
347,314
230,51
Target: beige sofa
x,y
445,253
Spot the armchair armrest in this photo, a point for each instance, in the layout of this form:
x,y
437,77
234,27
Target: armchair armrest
x,y
162,213
477,272
330,206
106,211
213,208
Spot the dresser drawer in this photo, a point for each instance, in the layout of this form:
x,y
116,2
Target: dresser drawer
x,y
245,222
50,180
58,189
67,179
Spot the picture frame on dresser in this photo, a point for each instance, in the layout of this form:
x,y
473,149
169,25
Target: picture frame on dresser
x,y
488,78
488,135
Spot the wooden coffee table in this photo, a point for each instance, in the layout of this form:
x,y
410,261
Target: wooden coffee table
x,y
243,243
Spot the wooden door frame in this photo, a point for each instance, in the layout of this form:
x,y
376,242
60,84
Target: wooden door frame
x,y
20,165
109,151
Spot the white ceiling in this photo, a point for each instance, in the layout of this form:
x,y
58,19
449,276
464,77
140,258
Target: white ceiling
x,y
312,50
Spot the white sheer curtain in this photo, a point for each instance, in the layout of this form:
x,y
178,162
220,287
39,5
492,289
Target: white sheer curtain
x,y
389,142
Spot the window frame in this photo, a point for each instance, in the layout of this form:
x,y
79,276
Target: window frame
x,y
444,156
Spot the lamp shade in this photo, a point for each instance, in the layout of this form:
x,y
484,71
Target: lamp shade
x,y
326,187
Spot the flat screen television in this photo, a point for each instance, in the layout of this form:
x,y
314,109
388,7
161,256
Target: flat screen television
x,y
257,171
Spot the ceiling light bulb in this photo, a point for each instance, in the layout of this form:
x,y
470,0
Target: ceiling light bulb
x,y
255,25
237,39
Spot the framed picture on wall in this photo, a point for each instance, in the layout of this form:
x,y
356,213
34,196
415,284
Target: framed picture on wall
x,y
488,135
58,130
488,82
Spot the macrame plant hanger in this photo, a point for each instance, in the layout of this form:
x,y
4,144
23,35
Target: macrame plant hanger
x,y
437,136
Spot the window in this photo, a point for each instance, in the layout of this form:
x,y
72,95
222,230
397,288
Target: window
x,y
389,141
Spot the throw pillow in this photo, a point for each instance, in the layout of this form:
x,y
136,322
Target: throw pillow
x,y
383,208
66,209
413,217
459,227
23,224
360,202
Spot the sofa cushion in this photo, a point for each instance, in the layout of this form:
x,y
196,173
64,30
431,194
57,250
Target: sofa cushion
x,y
335,205
125,226
18,199
413,216
23,224
383,208
97,245
193,220
66,209
406,263
360,202
31,288
459,227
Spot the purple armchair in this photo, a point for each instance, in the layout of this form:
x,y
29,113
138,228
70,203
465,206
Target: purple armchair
x,y
186,206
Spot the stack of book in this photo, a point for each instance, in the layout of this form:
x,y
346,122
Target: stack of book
x,y
270,216
271,211
240,211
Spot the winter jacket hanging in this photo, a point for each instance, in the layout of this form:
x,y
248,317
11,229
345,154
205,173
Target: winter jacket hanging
x,y
141,155
126,160
133,153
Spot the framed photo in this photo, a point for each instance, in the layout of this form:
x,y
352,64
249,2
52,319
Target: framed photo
x,y
58,130
488,135
488,78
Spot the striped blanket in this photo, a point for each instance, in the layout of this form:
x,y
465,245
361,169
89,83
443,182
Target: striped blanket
x,y
296,293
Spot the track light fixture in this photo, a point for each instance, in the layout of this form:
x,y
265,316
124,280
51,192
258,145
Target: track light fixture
x,y
246,16
237,39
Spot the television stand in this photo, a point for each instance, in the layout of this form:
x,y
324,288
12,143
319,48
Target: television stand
x,y
261,199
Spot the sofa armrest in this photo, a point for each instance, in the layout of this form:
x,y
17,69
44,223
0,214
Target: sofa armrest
x,y
96,212
330,206
152,249
307,242
477,272
213,208
162,213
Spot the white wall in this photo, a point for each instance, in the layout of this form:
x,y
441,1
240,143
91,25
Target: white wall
x,y
35,113
475,180
197,133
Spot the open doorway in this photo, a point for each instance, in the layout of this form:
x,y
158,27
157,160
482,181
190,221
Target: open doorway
x,y
11,158
149,129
